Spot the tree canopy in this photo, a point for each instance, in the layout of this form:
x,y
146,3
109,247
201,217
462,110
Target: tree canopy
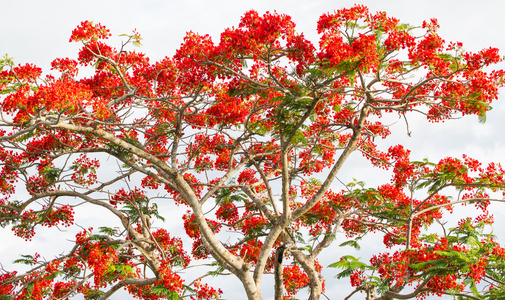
x,y
248,135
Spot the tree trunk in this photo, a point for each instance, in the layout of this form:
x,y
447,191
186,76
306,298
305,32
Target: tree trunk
x,y
279,254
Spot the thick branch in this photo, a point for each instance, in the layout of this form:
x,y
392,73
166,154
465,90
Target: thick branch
x,y
129,281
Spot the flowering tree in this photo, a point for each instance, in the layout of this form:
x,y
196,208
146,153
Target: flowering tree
x,y
249,135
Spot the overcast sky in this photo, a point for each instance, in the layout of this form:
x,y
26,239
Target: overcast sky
x,y
36,31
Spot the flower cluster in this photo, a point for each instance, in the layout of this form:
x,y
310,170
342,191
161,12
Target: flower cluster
x,y
87,31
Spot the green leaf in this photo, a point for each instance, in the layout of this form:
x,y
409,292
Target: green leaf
x,y
26,260
344,261
351,243
471,282
420,266
473,241
94,295
352,78
217,271
482,117
109,230
338,264
445,56
258,128
430,238
299,137
163,291
134,38
453,254
188,288
345,273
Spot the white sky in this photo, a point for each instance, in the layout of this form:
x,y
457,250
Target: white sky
x,y
35,31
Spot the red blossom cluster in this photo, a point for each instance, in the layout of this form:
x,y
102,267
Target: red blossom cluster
x,y
87,31
294,279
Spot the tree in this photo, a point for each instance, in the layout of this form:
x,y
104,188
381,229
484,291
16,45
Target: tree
x,y
249,135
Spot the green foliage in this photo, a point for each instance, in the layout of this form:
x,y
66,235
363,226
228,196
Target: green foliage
x,y
218,271
133,142
109,231
7,62
114,272
161,290
141,205
133,38
226,195
350,264
51,173
94,294
25,260
299,138
352,243
25,137
258,128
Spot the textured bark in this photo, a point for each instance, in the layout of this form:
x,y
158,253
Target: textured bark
x,y
279,255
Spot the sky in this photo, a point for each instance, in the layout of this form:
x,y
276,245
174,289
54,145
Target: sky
x,y
35,31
